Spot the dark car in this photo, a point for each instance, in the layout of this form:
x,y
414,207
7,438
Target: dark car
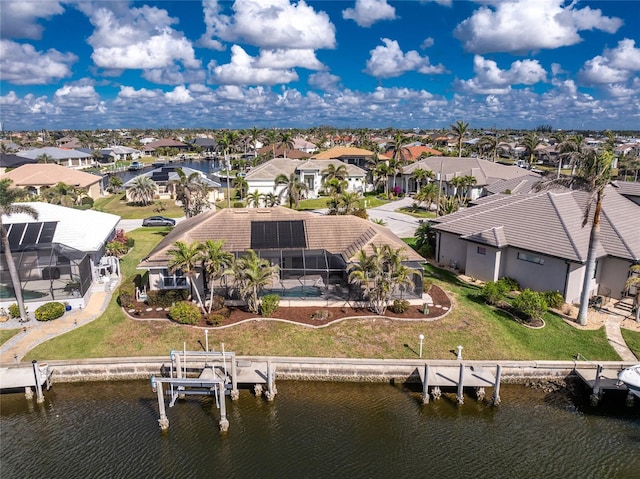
x,y
158,221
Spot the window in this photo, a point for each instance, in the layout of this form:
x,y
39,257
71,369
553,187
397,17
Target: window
x,y
482,250
175,280
530,258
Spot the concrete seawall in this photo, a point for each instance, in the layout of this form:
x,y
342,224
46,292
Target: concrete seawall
x,y
318,369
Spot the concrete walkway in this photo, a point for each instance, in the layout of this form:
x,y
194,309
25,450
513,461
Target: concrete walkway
x,y
614,335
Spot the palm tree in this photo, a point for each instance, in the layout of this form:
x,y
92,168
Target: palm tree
x,y
8,206
593,176
270,200
63,194
348,203
425,239
381,177
530,142
44,158
187,257
253,199
428,193
459,130
287,141
216,262
467,183
252,274
293,188
491,143
188,190
572,149
634,282
240,184
271,138
142,190
335,172
398,154
420,175
254,136
225,141
448,205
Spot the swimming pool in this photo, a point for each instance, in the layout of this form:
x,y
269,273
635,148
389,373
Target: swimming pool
x,y
297,292
7,292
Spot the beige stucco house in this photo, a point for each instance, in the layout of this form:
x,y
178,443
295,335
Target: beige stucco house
x,y
37,176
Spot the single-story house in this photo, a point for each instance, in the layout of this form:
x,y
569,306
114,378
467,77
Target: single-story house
x,y
34,177
168,144
60,256
312,251
349,155
164,177
262,178
446,168
538,239
61,156
9,160
120,153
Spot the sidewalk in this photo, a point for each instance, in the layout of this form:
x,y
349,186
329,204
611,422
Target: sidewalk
x,y
37,332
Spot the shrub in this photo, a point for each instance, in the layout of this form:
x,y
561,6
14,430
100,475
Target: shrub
x,y
238,204
361,213
530,303
426,285
510,284
320,315
214,319
87,201
185,312
217,303
554,299
400,306
493,292
127,294
164,298
14,310
49,311
270,304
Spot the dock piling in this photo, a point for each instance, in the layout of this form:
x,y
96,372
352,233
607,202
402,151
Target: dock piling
x,y
496,387
425,385
224,422
271,391
164,420
36,373
460,396
596,394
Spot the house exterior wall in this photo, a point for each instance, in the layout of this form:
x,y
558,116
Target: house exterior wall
x,y
451,250
546,276
613,275
483,262
574,282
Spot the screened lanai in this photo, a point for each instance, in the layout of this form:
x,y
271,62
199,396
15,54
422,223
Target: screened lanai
x,y
48,271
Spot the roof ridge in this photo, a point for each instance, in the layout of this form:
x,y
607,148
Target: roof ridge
x,y
564,225
517,199
617,231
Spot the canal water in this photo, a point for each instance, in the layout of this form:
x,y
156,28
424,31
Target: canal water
x,y
316,430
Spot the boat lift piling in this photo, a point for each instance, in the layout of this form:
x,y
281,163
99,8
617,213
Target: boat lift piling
x,y
436,376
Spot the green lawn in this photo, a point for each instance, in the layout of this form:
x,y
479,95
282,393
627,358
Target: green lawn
x,y
7,334
632,338
320,203
117,205
483,332
417,212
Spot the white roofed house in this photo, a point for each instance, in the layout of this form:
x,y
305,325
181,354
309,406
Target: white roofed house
x,y
120,153
165,176
63,157
60,256
538,239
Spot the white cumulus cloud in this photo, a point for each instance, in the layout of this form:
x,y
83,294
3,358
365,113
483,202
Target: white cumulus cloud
x,y
324,81
491,79
388,60
282,59
19,18
368,12
615,65
22,64
524,25
179,95
244,70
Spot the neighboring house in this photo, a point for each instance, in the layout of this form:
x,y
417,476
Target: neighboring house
x,y
538,239
8,161
59,256
166,175
310,249
34,177
412,153
208,145
120,153
168,144
63,157
515,186
262,178
349,155
628,189
446,168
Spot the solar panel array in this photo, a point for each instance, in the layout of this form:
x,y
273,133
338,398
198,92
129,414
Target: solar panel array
x,y
278,234
23,236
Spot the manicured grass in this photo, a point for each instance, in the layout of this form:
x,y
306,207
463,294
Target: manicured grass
x,y
7,334
632,338
312,204
484,333
117,205
417,212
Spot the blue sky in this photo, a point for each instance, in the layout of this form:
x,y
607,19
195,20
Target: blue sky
x,y
355,63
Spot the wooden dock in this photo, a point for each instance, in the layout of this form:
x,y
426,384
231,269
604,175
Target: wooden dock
x,y
459,377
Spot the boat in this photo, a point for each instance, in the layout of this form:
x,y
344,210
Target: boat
x,y
631,378
135,166
159,163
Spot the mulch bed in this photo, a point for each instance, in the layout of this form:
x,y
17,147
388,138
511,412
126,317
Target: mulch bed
x,y
302,314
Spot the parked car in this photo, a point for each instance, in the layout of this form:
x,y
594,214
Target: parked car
x,y
158,221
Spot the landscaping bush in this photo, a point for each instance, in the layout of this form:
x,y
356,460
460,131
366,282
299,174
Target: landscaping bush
x,y
400,306
554,299
493,292
320,315
509,284
531,304
270,304
214,319
426,285
127,294
49,311
14,310
185,312
238,204
217,303
87,201
166,297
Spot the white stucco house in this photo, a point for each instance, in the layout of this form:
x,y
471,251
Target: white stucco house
x,y
310,172
538,239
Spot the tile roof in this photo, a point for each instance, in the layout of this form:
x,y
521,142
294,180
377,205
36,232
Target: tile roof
x,y
550,223
340,151
53,152
343,235
41,174
518,185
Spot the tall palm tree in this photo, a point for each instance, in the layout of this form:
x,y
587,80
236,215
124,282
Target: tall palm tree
x,y
216,261
253,199
142,190
399,153
287,141
293,188
530,142
188,190
225,141
420,175
44,158
594,174
492,143
338,172
187,258
459,130
468,182
252,274
571,149
240,184
254,136
8,206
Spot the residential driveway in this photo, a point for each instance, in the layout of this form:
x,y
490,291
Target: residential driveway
x,y
403,226
130,225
